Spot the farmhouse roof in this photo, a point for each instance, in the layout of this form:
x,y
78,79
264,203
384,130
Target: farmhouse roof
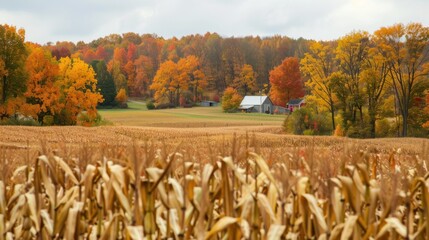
x,y
295,101
253,100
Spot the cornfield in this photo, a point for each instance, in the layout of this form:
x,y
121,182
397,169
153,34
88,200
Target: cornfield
x,y
150,191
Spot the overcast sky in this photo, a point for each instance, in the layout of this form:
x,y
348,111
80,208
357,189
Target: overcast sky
x,y
86,20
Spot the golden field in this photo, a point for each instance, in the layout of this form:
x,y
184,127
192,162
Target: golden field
x,y
203,174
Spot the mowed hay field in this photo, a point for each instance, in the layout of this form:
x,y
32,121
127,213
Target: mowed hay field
x,y
202,174
137,115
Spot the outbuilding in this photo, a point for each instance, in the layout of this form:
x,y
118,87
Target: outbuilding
x,y
261,104
295,104
209,104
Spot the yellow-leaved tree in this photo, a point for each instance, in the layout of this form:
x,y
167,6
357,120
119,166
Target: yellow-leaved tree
x,y
318,65
78,91
231,100
246,82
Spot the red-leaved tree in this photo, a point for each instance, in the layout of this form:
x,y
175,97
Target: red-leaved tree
x,y
286,82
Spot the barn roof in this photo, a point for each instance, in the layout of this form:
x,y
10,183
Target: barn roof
x,y
295,101
253,100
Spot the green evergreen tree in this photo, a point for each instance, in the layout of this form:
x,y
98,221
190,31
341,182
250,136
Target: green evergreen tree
x,y
105,83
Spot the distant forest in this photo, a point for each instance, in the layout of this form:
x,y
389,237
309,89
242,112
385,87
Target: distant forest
x,y
360,85
220,57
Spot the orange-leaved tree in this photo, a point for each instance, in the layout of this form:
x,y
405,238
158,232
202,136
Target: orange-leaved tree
x,y
190,74
42,70
231,100
78,90
246,82
144,73
166,83
286,82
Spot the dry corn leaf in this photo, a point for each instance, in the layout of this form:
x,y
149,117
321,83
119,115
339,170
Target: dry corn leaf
x,y
2,227
174,222
336,232
276,231
397,225
266,210
123,200
135,232
2,198
317,212
71,223
220,225
47,221
264,168
245,228
19,170
349,227
178,190
31,202
237,173
66,169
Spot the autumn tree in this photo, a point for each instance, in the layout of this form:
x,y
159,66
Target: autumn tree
x,y
122,98
375,78
130,70
318,65
144,73
232,61
286,82
100,53
78,90
116,68
60,52
352,54
12,55
231,100
190,73
42,90
105,83
212,61
165,83
120,80
246,82
426,124
406,49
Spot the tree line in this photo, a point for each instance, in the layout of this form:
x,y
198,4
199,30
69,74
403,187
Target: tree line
x,y
354,83
35,84
366,78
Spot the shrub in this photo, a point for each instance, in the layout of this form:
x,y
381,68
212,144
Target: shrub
x,y
121,97
165,106
150,105
339,131
231,100
87,121
305,119
20,121
48,120
382,128
308,132
358,130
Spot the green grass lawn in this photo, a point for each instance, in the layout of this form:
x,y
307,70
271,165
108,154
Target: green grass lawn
x,y
138,115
